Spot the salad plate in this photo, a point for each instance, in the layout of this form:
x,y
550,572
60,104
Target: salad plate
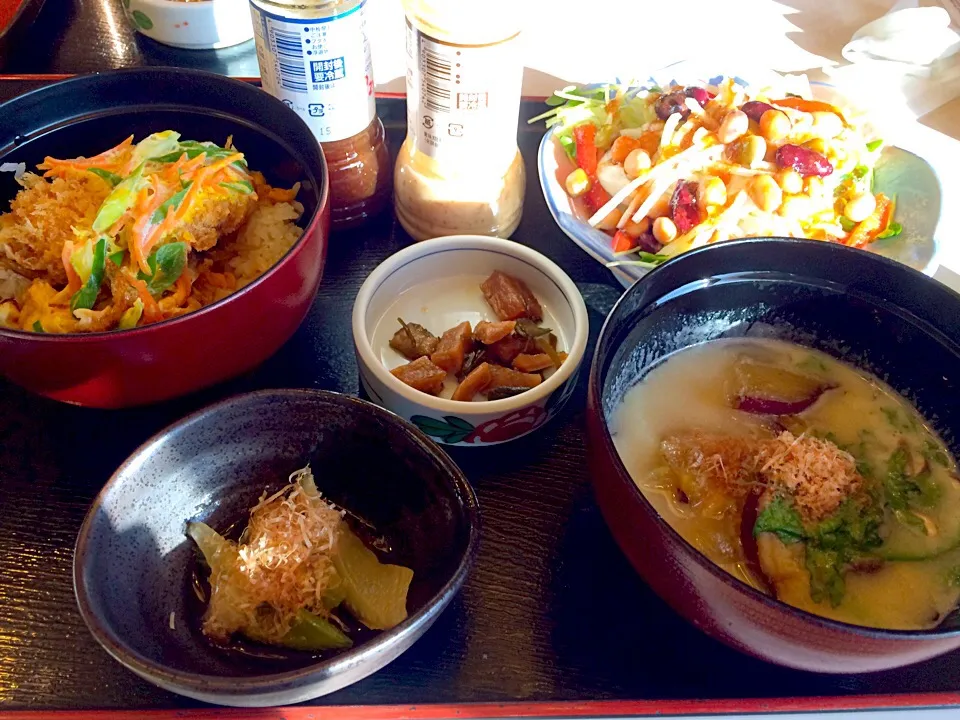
x,y
898,174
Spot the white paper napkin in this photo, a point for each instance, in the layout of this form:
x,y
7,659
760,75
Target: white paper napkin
x,y
905,63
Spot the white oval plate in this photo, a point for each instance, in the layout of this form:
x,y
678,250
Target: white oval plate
x,y
899,174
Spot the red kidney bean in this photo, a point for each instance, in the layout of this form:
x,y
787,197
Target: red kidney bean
x,y
698,94
683,206
648,242
667,105
805,161
755,109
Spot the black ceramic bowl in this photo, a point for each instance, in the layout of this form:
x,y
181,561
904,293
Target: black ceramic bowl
x,y
868,311
133,567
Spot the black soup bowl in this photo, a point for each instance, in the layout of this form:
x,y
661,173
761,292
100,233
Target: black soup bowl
x,y
134,567
863,309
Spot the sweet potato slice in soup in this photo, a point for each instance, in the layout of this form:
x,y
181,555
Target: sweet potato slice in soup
x,y
474,383
771,390
507,377
490,332
413,341
422,375
527,363
453,347
510,298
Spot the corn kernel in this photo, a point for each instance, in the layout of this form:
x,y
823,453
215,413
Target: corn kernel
x,y
577,183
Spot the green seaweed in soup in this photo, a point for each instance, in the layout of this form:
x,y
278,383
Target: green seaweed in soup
x,y
801,476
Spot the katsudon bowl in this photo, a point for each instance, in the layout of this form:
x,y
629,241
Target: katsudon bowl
x,y
83,116
867,311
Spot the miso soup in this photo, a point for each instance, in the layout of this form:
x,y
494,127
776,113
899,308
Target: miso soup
x,y
801,476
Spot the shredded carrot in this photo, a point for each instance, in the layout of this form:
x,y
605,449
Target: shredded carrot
x,y
140,233
53,166
200,179
151,310
181,289
74,282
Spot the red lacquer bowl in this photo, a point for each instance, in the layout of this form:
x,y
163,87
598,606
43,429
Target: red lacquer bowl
x,y
84,115
857,306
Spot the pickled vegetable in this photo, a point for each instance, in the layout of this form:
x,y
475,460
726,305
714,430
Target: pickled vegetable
x,y
474,383
527,363
422,375
375,593
491,332
453,347
507,377
413,341
510,297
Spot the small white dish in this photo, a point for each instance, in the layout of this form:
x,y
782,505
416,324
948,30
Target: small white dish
x,y
437,283
899,173
193,24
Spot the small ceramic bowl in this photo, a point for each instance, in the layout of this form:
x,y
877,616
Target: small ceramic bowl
x,y
192,24
437,283
134,566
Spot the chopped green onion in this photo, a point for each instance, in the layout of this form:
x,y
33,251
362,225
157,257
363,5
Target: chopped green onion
x,y
873,145
893,229
160,214
110,177
167,264
847,224
244,187
37,327
119,200
85,297
117,258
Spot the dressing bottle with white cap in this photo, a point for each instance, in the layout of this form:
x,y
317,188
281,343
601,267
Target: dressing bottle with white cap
x,y
459,170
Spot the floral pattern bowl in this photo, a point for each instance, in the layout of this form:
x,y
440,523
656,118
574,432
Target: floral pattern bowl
x,y
192,24
436,283
899,174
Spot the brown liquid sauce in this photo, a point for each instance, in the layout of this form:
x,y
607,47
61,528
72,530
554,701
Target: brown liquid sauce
x,y
240,649
360,175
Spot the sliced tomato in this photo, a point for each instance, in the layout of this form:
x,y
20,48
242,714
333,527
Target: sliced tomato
x,y
585,138
623,242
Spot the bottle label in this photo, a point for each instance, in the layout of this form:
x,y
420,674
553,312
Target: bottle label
x,y
320,67
463,101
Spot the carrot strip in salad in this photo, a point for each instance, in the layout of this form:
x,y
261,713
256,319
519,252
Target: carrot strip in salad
x,y
798,103
108,157
867,231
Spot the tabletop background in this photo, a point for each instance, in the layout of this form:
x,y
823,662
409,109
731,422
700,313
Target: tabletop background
x,y
552,611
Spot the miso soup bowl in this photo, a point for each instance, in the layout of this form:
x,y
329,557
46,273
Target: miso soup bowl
x,y
863,309
409,273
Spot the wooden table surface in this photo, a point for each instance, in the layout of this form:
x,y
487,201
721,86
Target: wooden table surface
x,y
552,611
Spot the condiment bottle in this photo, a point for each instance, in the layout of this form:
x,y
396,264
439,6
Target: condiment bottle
x,y
459,170
314,55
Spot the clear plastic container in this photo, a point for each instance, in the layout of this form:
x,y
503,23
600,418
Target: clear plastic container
x,y
459,170
314,55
